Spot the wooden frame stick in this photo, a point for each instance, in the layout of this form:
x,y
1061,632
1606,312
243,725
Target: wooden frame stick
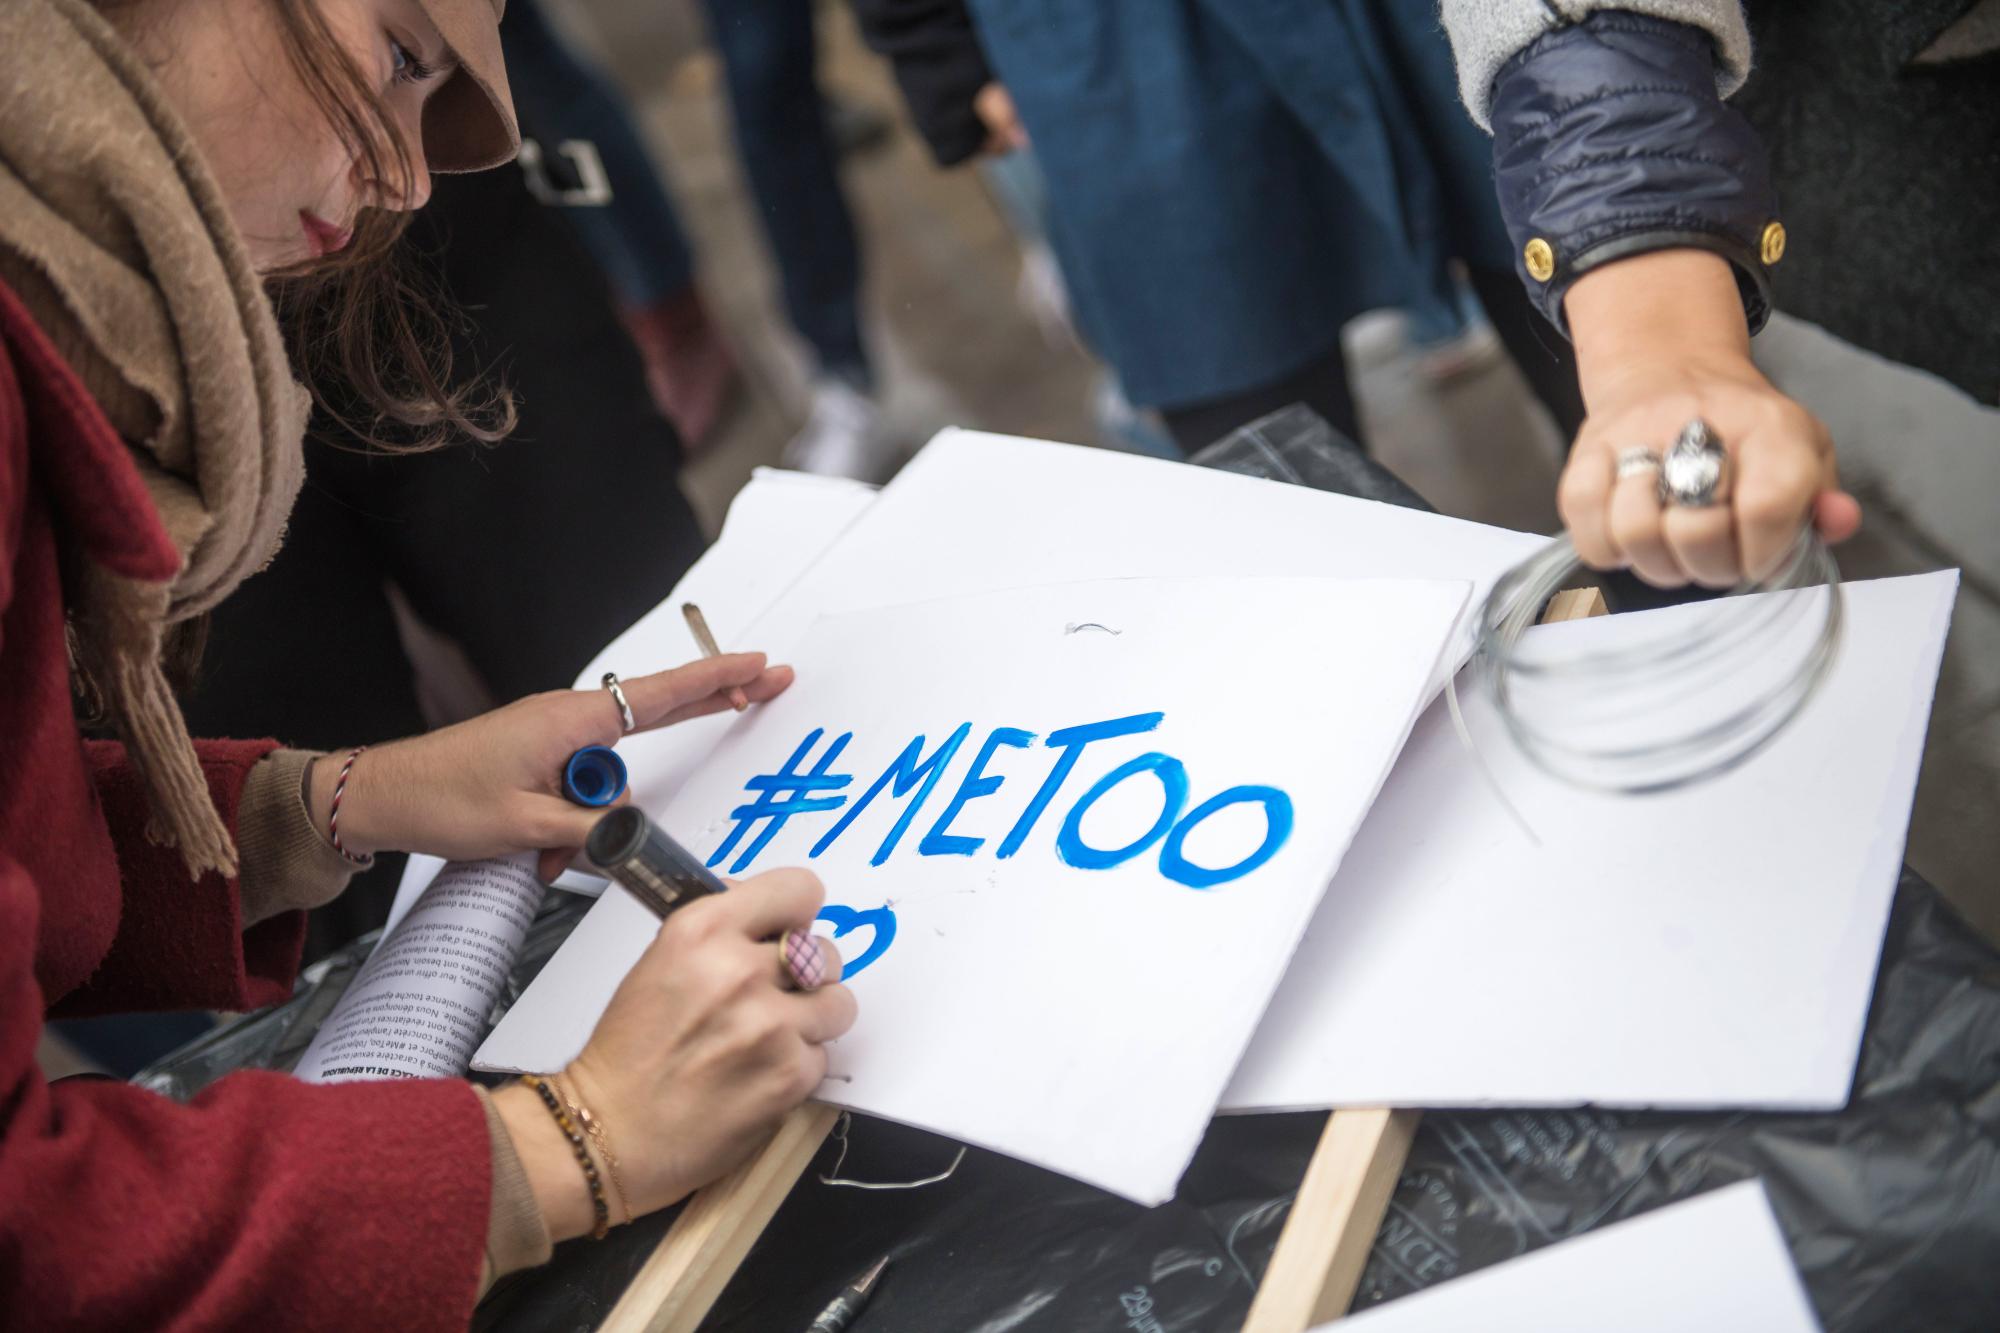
x,y
1313,1272
681,1279
1333,1221
1331,1228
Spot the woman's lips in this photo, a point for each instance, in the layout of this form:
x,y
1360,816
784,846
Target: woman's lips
x,y
324,237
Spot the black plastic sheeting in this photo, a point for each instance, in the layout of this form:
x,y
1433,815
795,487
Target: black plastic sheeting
x,y
1891,1206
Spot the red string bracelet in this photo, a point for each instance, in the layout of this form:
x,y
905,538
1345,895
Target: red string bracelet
x,y
333,818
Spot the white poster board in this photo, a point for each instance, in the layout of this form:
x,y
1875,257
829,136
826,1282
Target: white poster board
x,y
1701,948
975,512
1716,1263
1070,835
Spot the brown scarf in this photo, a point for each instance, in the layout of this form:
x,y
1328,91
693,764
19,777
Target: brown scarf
x,y
113,233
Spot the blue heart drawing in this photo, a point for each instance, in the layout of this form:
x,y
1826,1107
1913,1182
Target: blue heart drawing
x,y
844,919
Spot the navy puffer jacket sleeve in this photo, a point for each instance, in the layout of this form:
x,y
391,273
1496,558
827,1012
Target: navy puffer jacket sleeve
x,y
1610,140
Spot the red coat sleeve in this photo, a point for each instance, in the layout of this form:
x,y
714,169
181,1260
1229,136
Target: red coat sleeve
x,y
265,1203
181,943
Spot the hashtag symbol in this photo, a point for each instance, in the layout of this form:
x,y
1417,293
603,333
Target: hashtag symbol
x,y
773,810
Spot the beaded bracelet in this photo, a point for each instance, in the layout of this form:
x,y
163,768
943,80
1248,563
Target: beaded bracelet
x,y
599,1136
598,1207
333,817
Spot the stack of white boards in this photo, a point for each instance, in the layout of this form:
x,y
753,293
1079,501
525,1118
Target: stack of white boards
x,y
1134,801
1716,1263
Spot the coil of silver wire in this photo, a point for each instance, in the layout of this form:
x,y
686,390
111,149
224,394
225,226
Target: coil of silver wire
x,y
1704,688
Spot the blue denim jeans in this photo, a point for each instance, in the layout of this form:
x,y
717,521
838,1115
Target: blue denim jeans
x,y
637,238
768,61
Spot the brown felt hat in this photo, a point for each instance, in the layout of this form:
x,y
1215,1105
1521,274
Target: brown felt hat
x,y
469,122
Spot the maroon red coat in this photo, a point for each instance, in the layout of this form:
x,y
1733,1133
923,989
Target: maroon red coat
x,y
266,1202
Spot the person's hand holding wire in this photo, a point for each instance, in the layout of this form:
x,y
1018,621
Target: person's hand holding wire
x,y
1662,352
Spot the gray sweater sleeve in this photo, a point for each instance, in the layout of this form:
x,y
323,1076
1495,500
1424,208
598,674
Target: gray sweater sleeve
x,y
1485,34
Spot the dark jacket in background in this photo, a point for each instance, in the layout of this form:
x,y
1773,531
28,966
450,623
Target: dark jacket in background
x,y
1887,165
531,554
1869,131
936,58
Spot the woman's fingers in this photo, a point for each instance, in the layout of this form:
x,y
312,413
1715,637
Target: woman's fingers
x,y
1637,532
768,685
556,828
766,906
666,697
1780,474
824,1014
553,861
1777,484
1837,515
1584,498
1703,542
653,697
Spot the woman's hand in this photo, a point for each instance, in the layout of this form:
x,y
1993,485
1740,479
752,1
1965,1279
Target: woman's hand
x,y
700,1054
493,785
994,106
1660,341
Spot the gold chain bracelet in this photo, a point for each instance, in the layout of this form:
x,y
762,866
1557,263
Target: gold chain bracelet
x,y
600,1210
600,1136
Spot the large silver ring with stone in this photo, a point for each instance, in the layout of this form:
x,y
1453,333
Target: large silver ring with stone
x,y
1637,459
1694,469
625,718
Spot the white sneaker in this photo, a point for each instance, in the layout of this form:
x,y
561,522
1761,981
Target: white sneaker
x,y
843,436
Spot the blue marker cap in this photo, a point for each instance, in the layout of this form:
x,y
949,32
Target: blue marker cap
x,y
594,775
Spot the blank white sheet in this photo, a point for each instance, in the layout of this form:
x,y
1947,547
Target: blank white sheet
x,y
1703,948
1716,1263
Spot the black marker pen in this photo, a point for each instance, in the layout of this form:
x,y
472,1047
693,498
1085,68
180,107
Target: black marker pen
x,y
639,854
837,1316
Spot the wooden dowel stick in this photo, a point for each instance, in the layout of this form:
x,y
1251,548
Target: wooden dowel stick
x,y
1331,1227
1333,1221
1574,604
683,1277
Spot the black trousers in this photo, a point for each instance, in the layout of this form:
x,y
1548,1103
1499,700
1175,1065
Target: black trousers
x,y
1543,356
532,554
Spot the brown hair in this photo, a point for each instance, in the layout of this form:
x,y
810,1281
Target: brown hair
x,y
368,327
368,330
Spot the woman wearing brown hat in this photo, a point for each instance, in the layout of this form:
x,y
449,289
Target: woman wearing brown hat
x,y
163,163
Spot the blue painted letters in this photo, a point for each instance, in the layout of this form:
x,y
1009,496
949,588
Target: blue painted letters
x,y
976,784
904,774
912,775
1174,784
1277,828
788,778
1071,740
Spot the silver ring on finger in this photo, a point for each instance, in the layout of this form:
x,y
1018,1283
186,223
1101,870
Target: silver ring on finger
x,y
1695,467
802,960
626,721
1639,458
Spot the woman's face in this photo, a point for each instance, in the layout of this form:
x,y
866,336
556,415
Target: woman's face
x,y
292,186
